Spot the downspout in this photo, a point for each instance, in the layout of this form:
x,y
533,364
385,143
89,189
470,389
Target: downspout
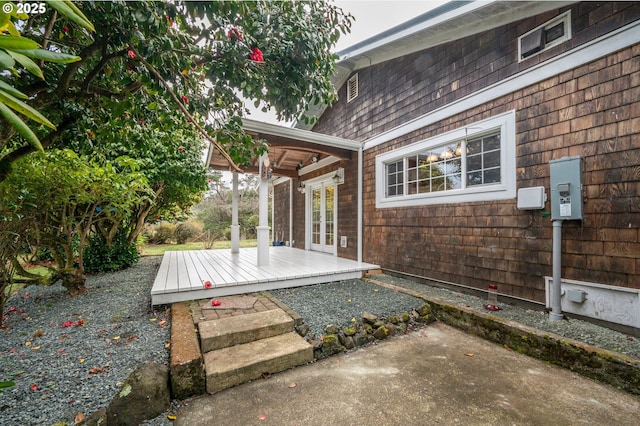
x,y
556,291
359,198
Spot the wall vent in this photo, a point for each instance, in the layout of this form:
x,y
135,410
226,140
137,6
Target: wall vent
x,y
547,35
352,88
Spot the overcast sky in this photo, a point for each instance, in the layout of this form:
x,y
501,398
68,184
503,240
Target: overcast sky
x,y
371,17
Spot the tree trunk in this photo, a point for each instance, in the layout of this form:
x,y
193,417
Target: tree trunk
x,y
74,281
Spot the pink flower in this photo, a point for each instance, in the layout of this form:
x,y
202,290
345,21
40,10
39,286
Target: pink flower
x,y
207,284
184,99
215,302
234,34
34,387
65,29
181,149
256,55
131,54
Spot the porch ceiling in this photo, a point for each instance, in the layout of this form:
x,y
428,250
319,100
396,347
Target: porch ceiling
x,y
289,149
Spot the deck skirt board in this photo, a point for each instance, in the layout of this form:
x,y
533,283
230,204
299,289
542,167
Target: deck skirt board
x,y
182,274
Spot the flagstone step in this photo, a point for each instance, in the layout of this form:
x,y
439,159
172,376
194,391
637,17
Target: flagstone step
x,y
225,332
241,363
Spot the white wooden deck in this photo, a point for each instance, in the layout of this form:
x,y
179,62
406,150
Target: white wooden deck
x,y
182,274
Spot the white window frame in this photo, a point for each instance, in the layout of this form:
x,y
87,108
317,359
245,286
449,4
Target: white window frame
x,y
506,189
565,18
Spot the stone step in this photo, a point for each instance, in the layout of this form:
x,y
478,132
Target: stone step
x,y
239,364
225,332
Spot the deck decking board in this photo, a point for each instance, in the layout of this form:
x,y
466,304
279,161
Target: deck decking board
x,y
181,274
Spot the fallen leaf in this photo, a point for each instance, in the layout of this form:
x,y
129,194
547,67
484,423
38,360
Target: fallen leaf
x,y
34,387
96,370
266,376
35,348
79,418
81,360
131,339
262,417
61,338
115,338
27,343
293,385
469,354
163,322
38,333
171,417
153,319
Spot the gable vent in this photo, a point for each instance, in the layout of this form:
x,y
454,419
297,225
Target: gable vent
x,y
552,33
352,88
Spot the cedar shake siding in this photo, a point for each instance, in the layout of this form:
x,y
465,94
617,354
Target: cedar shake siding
x,y
591,111
347,198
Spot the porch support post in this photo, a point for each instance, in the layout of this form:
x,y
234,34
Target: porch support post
x,y
235,226
359,202
263,214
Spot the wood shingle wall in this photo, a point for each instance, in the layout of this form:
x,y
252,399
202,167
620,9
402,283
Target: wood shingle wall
x,y
592,111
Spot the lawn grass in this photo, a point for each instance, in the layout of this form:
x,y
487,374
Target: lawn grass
x,y
160,249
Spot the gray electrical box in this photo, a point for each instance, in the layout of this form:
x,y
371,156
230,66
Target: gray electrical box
x,y
566,188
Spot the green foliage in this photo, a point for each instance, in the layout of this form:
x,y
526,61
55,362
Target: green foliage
x,y
102,257
163,233
67,195
186,231
17,51
183,63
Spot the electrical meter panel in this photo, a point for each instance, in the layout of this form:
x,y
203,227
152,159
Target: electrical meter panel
x,y
566,188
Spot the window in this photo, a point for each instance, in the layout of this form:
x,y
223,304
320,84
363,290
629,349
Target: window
x,y
352,88
544,37
475,163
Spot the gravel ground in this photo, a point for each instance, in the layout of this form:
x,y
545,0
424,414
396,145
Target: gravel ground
x,y
61,368
70,355
338,303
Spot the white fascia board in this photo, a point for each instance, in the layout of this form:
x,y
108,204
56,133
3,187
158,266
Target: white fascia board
x,y
299,134
440,19
588,52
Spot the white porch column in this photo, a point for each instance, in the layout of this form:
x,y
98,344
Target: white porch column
x,y
235,227
263,213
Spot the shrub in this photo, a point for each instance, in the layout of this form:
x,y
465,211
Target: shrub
x,y
100,257
185,231
163,233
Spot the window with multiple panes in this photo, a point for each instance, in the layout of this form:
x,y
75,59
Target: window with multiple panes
x,y
468,164
441,168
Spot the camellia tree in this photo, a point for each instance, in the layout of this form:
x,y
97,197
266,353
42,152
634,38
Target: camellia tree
x,y
199,59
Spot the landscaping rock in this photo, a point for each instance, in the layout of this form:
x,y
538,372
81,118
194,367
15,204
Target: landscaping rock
x,y
302,329
381,332
368,318
144,395
331,329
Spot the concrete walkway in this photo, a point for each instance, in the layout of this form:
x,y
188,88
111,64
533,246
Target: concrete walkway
x,y
437,375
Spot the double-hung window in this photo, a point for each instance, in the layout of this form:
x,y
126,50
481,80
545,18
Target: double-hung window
x,y
474,163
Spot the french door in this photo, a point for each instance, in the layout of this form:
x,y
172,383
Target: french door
x,y
322,216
